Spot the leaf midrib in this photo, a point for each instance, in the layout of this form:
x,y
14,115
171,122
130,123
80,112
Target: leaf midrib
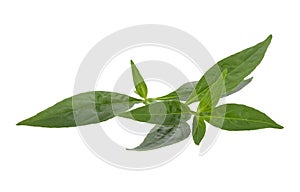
x,y
234,118
69,110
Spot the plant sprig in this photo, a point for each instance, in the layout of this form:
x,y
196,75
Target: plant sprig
x,y
170,112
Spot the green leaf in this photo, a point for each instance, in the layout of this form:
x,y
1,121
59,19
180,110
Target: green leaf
x,y
139,83
236,117
164,135
182,93
199,129
238,66
239,87
161,113
213,94
185,90
82,109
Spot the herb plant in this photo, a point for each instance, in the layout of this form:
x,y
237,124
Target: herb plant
x,y
170,113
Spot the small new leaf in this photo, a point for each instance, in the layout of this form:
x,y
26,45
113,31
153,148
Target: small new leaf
x,y
199,129
139,83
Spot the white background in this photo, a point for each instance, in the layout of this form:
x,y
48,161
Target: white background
x,y
42,45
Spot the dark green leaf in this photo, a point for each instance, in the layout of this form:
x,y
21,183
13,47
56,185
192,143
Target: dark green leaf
x,y
213,94
164,135
139,83
82,109
239,66
199,129
235,117
161,113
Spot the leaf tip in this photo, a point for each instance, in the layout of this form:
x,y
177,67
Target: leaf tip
x,y
131,62
134,149
196,142
29,121
22,122
269,39
277,126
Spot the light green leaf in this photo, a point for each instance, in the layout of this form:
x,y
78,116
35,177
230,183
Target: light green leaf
x,y
212,96
82,109
236,117
238,66
199,129
164,135
161,113
139,83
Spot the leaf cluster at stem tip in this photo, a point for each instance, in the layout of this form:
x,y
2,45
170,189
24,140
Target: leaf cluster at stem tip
x,y
170,113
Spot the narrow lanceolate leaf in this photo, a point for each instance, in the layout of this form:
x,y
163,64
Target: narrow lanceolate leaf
x,y
239,66
139,83
235,117
185,90
161,113
182,93
199,129
164,135
85,108
239,87
212,96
